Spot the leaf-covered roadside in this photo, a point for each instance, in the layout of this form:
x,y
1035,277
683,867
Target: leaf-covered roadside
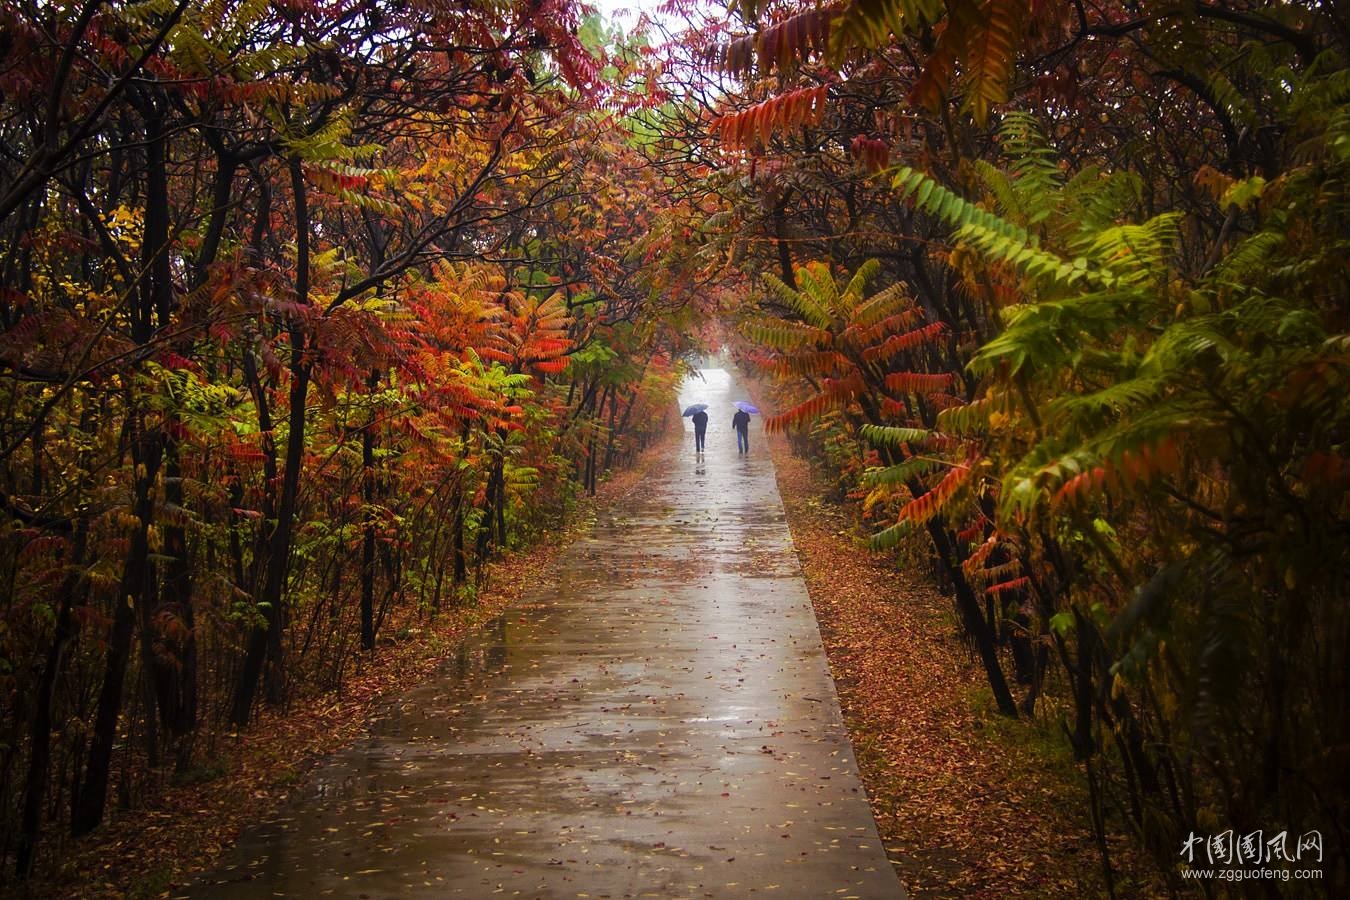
x,y
157,851
966,805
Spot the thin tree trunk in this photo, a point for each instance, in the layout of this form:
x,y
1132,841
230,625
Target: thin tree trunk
x,y
151,302
368,492
973,617
613,433
132,591
265,641
40,735
461,561
499,473
168,655
175,670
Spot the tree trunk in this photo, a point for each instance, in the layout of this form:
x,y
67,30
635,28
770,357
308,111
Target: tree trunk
x,y
151,303
265,640
368,496
977,626
175,664
499,473
493,525
251,669
461,558
40,735
264,644
588,474
132,591
627,414
610,434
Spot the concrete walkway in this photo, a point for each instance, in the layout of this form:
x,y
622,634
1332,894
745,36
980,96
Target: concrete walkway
x,y
662,725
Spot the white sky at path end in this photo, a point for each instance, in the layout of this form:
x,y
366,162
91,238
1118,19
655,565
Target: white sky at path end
x,y
610,9
632,9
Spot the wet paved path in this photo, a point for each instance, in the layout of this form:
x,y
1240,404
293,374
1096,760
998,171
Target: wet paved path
x,y
662,725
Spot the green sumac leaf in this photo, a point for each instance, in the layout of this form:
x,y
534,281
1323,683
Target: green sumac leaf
x,y
901,472
894,436
890,537
925,191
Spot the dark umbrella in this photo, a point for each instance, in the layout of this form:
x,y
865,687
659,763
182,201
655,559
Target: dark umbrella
x,y
745,406
693,408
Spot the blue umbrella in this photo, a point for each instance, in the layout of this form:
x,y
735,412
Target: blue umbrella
x,y
745,406
693,408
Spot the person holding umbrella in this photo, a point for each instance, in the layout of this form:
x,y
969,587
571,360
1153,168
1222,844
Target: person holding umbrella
x,y
741,422
700,419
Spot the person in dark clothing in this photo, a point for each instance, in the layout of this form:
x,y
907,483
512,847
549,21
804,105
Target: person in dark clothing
x,y
741,422
700,420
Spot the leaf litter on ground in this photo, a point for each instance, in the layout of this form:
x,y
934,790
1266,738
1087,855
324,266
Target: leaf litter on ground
x,y
967,804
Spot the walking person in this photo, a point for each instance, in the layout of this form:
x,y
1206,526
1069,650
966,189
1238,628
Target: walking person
x,y
700,420
741,422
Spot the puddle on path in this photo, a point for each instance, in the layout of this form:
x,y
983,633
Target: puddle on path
x,y
660,725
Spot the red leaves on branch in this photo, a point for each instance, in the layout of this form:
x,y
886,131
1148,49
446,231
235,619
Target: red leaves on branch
x,y
1135,468
754,126
996,590
918,382
780,46
927,505
864,335
900,343
972,531
872,154
833,392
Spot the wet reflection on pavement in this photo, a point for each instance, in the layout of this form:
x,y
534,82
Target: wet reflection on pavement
x,y
661,723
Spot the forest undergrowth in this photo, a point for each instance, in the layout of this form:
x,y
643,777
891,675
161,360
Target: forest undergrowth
x,y
967,803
